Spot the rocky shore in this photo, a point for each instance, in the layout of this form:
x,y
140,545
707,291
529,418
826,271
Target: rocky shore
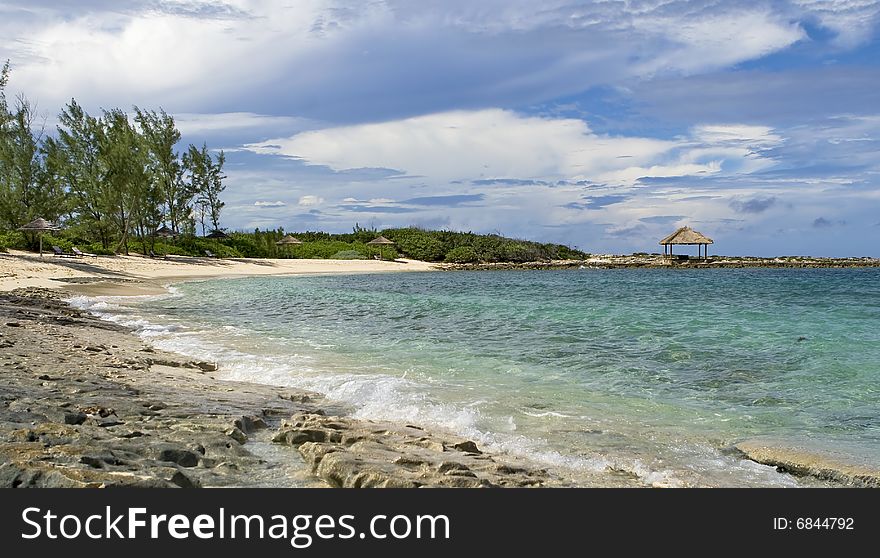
x,y
84,403
658,261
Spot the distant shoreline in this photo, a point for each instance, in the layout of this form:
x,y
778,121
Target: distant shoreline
x,y
663,262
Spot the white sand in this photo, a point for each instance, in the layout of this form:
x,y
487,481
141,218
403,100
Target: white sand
x,y
139,274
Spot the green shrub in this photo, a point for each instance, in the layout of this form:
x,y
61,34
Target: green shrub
x,y
97,249
462,254
348,255
13,239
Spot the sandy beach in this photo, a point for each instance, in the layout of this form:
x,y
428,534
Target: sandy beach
x,y
121,275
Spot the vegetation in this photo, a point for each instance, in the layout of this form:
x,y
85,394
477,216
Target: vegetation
x,y
111,179
433,246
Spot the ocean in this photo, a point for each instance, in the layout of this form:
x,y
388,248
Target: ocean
x,y
651,373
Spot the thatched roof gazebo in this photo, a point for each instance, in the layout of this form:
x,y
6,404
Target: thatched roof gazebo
x,y
164,232
289,239
39,226
690,237
217,234
380,241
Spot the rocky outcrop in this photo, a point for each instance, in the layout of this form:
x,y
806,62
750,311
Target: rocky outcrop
x,y
609,261
352,453
821,464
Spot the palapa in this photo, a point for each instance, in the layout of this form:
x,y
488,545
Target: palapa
x,y
687,236
39,226
381,240
289,239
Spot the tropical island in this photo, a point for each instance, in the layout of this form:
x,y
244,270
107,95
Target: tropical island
x,y
120,209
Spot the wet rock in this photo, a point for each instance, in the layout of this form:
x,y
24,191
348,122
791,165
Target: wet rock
x,y
250,424
467,446
806,461
180,456
206,366
349,453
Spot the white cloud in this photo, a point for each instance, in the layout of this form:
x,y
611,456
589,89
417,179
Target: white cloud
x,y
714,40
852,20
188,55
736,134
200,124
308,201
269,204
495,143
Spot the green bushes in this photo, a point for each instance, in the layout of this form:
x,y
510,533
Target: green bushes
x,y
467,247
348,255
420,244
462,254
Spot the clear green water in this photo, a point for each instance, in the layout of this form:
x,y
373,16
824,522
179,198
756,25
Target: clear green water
x,y
656,373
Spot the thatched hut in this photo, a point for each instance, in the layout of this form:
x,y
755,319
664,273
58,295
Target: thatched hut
x,y
689,237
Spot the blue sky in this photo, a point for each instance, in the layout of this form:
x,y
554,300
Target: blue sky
x,y
603,125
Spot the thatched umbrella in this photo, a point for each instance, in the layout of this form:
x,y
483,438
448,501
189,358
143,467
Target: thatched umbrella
x,y
687,236
217,234
289,240
39,226
164,232
381,241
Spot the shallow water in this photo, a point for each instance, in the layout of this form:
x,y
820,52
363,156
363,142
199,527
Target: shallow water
x,y
652,372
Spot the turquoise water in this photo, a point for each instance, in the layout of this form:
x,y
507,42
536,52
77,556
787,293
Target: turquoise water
x,y
655,373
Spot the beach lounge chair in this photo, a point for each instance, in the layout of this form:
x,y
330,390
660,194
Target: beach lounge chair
x,y
59,252
80,254
155,255
210,254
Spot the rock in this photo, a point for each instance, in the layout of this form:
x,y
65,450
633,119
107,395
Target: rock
x,y
236,434
182,457
205,366
821,463
467,446
348,453
250,424
183,481
74,418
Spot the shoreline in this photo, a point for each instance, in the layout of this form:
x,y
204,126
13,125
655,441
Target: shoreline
x,y
81,407
64,365
143,275
654,261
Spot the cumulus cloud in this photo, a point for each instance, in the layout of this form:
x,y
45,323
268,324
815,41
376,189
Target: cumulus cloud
x,y
269,204
310,200
456,53
201,124
486,144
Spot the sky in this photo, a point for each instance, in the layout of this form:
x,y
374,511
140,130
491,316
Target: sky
x,y
603,125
